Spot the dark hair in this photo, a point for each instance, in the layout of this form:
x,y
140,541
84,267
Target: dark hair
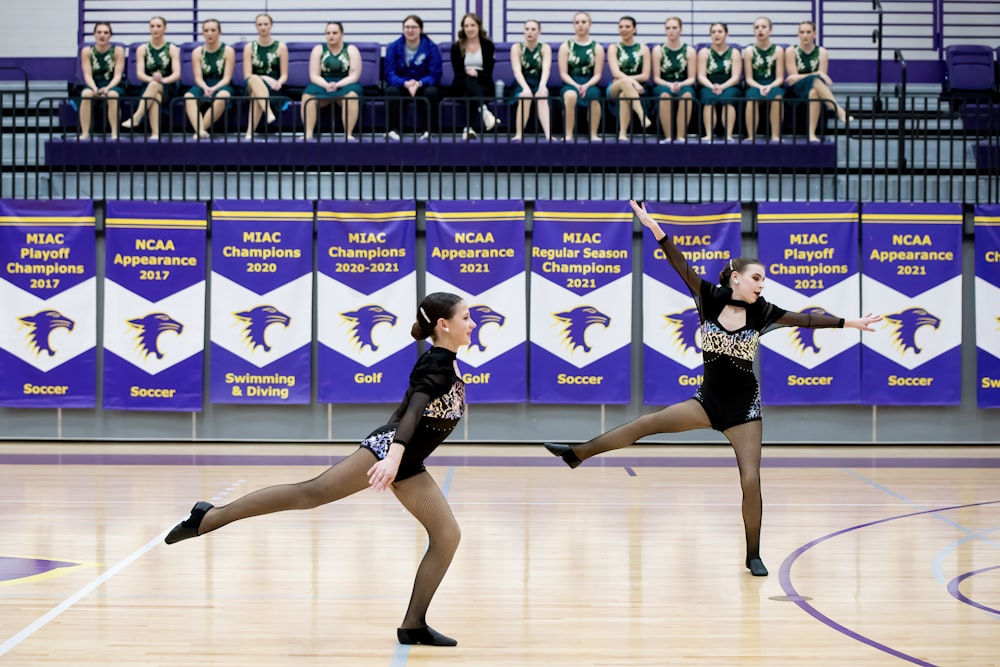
x,y
738,265
100,23
632,20
808,23
336,23
267,16
724,27
215,21
161,19
483,37
416,19
435,306
536,22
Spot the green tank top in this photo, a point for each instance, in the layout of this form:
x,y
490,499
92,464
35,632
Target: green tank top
x,y
764,63
334,65
674,63
581,59
531,61
158,60
213,63
265,59
102,65
719,67
806,63
630,59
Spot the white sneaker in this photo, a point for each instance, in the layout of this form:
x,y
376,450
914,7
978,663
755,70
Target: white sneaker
x,y
489,120
425,136
392,135
468,133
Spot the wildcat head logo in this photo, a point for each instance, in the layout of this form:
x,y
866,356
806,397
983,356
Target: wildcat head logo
x,y
804,338
149,328
687,326
906,323
40,327
363,320
481,315
255,323
575,323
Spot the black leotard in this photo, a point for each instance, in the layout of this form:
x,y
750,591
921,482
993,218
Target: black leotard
x,y
730,393
433,405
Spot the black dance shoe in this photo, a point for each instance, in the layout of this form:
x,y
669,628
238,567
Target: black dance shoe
x,y
427,635
565,452
188,528
756,567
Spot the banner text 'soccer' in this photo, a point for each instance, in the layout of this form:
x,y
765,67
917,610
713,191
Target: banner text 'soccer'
x,y
709,236
476,249
367,288
154,305
581,302
988,306
810,256
48,286
261,301
912,266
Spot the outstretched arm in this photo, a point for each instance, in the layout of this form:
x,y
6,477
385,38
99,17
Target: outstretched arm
x,y
811,321
674,255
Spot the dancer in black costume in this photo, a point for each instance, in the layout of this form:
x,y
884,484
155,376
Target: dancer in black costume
x,y
391,457
733,317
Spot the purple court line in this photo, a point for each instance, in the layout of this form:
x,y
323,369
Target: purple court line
x,y
786,581
958,595
541,460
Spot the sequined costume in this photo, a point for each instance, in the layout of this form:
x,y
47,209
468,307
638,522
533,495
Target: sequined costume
x,y
730,393
433,405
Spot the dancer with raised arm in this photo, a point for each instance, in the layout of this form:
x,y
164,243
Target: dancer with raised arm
x,y
733,317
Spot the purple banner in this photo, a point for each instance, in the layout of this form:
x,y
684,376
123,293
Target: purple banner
x,y
154,306
810,253
988,306
912,265
476,249
581,302
261,315
709,236
367,286
48,339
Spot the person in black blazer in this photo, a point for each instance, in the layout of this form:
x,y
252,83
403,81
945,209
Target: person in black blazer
x,y
472,58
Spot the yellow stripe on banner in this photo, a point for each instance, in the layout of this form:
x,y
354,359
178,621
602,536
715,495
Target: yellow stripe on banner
x,y
879,218
151,222
75,221
473,217
597,217
987,220
262,215
764,218
391,216
699,219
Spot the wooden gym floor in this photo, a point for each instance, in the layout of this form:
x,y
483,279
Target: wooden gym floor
x,y
878,556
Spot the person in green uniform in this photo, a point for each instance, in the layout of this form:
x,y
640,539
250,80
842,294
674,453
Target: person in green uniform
x,y
212,64
581,62
531,62
102,65
764,72
719,73
675,70
630,65
158,66
334,71
265,68
807,78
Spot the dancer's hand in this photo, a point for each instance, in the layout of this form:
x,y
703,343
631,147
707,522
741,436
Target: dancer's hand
x,y
646,219
863,323
383,473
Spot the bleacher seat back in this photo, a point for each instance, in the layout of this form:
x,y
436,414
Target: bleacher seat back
x,y
969,67
447,71
371,64
131,71
298,63
239,80
502,69
187,71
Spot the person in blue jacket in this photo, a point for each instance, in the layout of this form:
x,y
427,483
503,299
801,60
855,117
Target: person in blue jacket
x,y
412,70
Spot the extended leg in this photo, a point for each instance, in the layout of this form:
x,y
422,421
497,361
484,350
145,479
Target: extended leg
x,y
746,441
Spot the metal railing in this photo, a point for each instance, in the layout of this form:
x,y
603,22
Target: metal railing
x,y
909,148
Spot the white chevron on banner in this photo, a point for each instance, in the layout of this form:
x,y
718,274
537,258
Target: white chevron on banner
x,y
988,317
77,304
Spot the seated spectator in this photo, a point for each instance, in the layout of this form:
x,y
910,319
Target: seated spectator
x,y
158,66
531,62
412,70
334,71
764,72
265,68
581,62
103,66
719,72
675,70
630,64
213,64
806,64
472,59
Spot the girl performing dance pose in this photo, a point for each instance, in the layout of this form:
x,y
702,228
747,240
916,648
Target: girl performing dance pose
x,y
733,317
391,457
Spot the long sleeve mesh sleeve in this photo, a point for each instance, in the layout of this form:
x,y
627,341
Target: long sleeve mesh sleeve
x,y
681,266
810,321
